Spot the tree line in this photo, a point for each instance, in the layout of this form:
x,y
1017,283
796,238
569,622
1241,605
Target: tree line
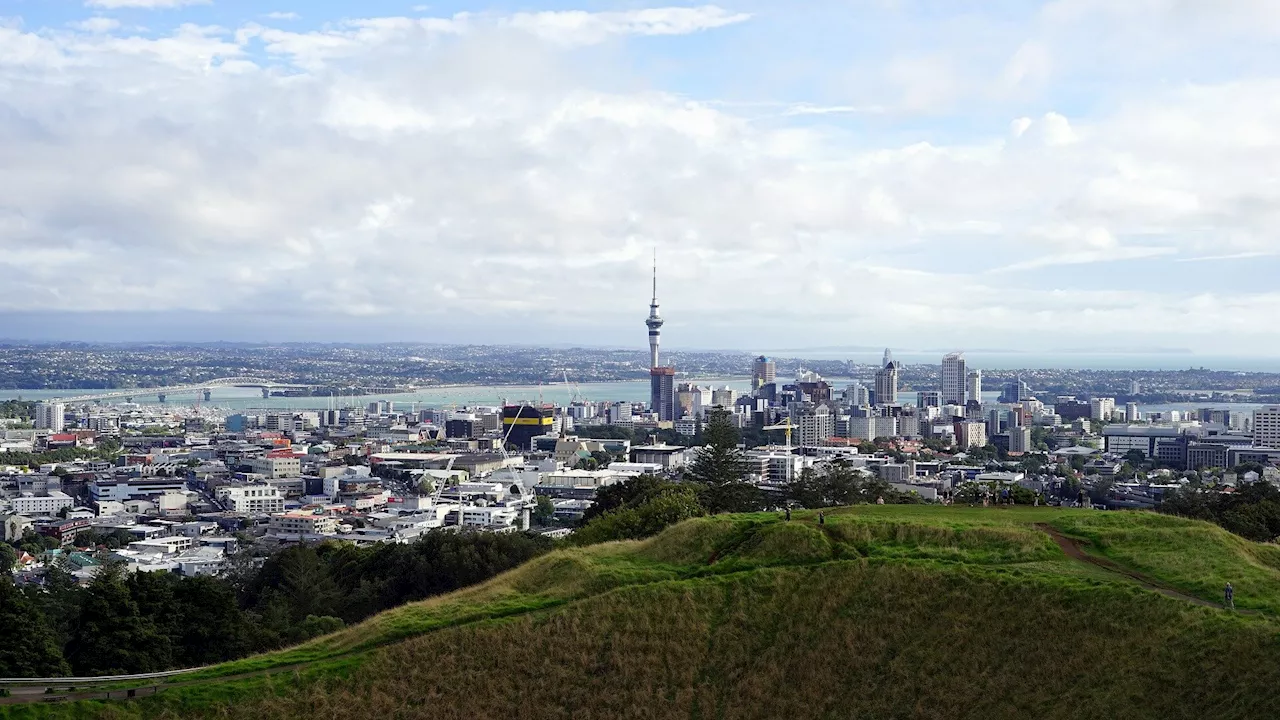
x,y
121,622
716,482
1251,511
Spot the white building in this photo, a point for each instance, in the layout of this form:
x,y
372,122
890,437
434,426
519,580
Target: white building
x,y
971,434
122,490
276,467
1100,408
974,387
814,425
46,504
886,382
1020,439
687,427
492,516
49,416
954,375
1266,426
252,499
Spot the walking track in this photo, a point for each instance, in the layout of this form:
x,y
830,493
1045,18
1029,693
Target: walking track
x,y
1071,548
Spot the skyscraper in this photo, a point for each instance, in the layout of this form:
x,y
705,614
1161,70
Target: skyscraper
x,y
763,372
887,383
49,416
662,393
974,389
954,376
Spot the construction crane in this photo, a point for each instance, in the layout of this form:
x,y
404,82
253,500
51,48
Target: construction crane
x,y
435,499
526,494
788,427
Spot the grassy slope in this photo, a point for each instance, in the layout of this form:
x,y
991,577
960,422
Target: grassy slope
x,y
887,611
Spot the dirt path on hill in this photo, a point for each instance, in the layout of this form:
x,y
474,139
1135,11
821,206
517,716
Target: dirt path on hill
x,y
36,693
1072,549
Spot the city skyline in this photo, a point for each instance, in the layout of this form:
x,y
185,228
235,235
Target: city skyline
x,y
1016,173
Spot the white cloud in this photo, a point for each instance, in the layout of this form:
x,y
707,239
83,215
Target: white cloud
x,y
151,4
278,15
97,24
417,169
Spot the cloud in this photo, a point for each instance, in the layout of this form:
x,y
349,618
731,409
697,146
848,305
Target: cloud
x,y
278,15
422,174
96,24
1231,256
150,4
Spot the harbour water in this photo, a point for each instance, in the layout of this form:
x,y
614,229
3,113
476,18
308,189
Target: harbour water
x,y
239,399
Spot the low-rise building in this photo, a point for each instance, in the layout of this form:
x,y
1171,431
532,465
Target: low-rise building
x,y
302,524
276,466
47,504
668,457
252,499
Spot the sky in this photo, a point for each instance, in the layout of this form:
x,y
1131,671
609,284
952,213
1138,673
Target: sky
x,y
1083,174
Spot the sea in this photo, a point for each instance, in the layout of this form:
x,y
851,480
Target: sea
x,y
232,399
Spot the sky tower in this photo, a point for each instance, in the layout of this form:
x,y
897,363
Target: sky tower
x,y
654,321
662,379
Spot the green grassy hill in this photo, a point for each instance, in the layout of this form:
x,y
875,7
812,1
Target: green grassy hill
x,y
884,611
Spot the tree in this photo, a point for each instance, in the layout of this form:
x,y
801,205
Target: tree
x,y
30,647
8,558
628,493
210,626
544,512
720,467
673,504
112,636
835,483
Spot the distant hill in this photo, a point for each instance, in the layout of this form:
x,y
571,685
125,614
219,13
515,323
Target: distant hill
x,y
881,612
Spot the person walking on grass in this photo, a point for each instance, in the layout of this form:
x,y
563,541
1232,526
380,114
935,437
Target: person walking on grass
x,y
1004,496
1230,594
788,513
822,518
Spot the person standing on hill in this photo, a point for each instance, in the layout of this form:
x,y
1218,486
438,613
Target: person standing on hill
x,y
1230,593
822,518
1004,496
1080,497
788,512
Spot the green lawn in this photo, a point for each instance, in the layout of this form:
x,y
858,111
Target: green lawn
x,y
961,604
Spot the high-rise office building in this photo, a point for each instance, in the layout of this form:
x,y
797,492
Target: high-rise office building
x,y
814,424
1015,392
763,372
857,395
1100,408
50,416
1131,413
887,384
1266,426
974,387
522,423
954,375
1020,439
662,393
929,398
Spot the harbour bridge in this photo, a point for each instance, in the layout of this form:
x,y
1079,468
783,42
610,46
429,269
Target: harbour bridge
x,y
204,388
